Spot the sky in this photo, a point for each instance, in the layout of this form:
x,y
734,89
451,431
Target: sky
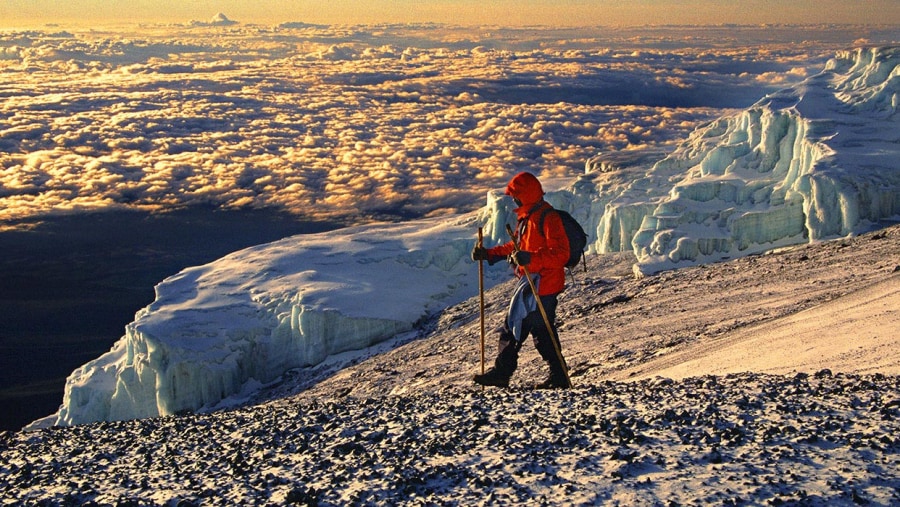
x,y
17,13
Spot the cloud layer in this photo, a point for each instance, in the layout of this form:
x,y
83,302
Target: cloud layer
x,y
362,122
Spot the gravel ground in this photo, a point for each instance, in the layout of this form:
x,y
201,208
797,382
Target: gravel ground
x,y
407,426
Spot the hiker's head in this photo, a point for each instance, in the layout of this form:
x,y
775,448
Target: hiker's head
x,y
525,189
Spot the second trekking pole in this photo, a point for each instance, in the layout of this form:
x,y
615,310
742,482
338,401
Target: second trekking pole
x,y
481,294
537,298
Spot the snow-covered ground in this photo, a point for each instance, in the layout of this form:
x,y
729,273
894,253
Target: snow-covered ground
x,y
407,427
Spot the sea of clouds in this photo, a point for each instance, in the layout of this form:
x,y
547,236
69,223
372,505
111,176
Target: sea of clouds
x,y
390,122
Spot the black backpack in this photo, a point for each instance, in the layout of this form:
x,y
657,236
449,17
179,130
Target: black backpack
x,y
574,232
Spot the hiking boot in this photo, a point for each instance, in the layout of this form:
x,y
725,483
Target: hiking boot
x,y
492,378
554,381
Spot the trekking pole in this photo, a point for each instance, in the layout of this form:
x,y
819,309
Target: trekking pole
x,y
537,298
481,294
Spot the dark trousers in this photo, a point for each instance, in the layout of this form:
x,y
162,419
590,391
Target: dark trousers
x,y
508,354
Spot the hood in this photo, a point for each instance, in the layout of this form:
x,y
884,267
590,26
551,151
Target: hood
x,y
526,188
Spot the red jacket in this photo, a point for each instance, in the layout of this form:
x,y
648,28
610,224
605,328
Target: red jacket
x,y
549,248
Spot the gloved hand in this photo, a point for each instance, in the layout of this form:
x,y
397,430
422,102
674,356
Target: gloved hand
x,y
520,258
479,253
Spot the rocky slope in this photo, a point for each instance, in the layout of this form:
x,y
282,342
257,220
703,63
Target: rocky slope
x,y
408,427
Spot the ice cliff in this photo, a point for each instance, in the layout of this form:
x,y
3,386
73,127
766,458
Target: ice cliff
x,y
248,317
816,161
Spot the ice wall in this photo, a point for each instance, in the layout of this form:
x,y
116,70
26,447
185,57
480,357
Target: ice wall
x,y
812,162
254,314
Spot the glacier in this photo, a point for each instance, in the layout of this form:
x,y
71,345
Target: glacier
x,y
815,161
812,162
248,317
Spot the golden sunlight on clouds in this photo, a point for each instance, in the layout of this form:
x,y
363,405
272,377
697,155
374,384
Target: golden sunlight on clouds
x,y
355,121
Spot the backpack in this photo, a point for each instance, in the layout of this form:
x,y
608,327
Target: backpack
x,y
574,232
